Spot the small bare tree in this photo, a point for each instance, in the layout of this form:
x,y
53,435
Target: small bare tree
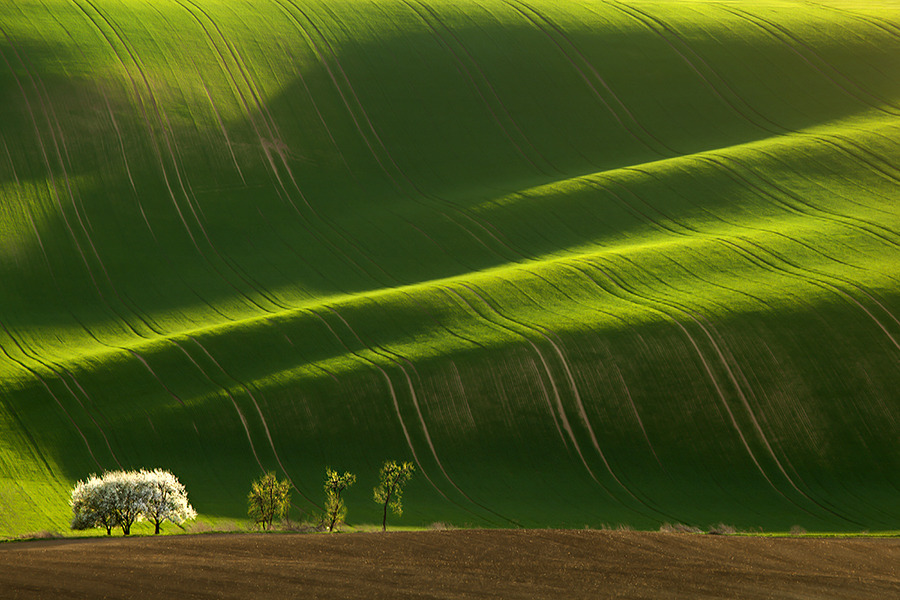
x,y
389,492
269,499
335,510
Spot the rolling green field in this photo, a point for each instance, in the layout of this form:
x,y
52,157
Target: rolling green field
x,y
583,262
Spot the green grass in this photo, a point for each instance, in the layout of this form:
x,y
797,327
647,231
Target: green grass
x,y
583,262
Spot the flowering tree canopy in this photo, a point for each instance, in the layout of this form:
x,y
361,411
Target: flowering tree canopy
x,y
121,498
165,498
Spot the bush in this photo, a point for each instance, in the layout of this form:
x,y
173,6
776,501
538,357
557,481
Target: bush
x,y
722,529
678,528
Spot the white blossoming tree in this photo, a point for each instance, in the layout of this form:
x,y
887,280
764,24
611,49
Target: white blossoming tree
x,y
165,498
121,498
91,506
125,495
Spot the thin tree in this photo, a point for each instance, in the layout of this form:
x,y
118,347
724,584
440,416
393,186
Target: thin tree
x,y
268,499
165,498
389,492
335,510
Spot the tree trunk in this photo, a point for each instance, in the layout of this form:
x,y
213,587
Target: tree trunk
x,y
384,517
157,527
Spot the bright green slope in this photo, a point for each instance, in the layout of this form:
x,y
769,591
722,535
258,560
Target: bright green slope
x,y
583,262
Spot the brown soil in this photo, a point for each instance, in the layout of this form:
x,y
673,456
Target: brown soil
x,y
452,564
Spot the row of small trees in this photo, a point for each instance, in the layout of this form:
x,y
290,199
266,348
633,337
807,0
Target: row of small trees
x,y
270,499
120,498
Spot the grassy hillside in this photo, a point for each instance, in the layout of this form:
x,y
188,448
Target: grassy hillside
x,y
583,262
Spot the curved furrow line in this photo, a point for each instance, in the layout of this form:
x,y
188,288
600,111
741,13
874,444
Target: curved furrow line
x,y
457,379
559,417
303,259
143,105
172,150
830,286
579,404
477,84
320,55
892,29
60,372
592,308
302,79
495,326
824,285
273,143
141,359
121,140
563,293
869,158
866,225
418,192
759,120
56,399
60,148
433,200
714,284
484,226
769,125
46,160
637,417
866,161
234,403
652,274
399,361
122,298
262,418
396,402
20,201
743,225
730,357
772,266
630,206
222,128
81,404
865,192
769,26
629,116
812,210
815,271
759,430
648,302
628,394
194,205
161,121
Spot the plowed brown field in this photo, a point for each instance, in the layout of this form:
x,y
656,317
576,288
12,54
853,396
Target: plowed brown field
x,y
452,564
